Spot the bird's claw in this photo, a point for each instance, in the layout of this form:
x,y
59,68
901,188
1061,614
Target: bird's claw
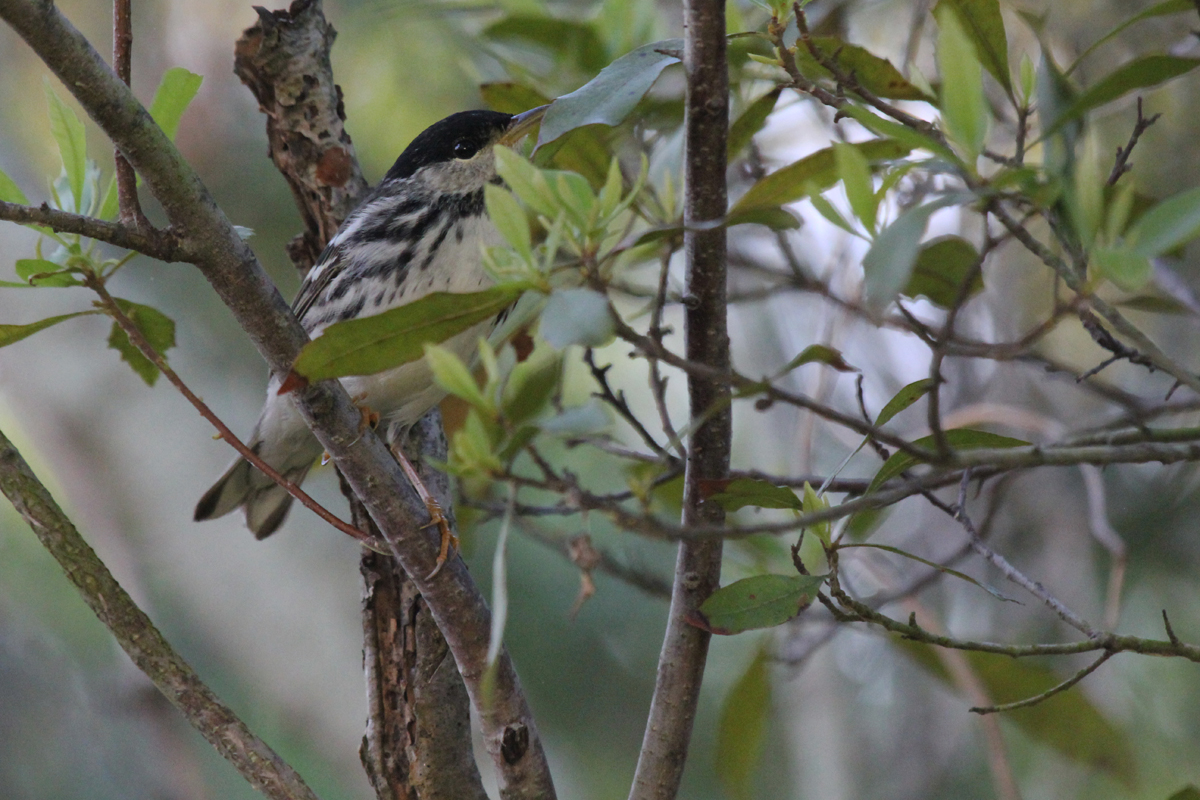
x,y
448,540
370,417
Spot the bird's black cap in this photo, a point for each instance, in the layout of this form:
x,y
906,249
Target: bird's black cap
x,y
459,135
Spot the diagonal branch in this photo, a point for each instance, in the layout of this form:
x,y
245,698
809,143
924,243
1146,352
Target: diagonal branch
x,y
236,275
163,245
138,637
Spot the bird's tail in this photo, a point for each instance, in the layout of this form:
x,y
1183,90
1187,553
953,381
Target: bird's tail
x,y
266,503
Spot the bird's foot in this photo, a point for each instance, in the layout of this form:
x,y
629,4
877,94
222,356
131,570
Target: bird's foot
x,y
437,517
370,417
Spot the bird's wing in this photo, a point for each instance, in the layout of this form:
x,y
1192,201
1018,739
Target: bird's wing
x,y
328,266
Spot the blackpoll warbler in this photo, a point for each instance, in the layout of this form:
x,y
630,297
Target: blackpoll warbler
x,y
421,230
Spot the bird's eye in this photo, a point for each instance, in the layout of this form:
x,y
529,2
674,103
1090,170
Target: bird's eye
x,y
463,149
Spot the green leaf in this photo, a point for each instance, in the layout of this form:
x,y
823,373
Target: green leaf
x,y
742,731
565,37
1168,225
957,438
889,263
875,74
1068,722
530,386
742,492
1127,269
157,327
577,316
609,97
15,333
902,135
10,192
68,132
1138,74
174,94
509,218
751,122
1188,792
510,97
816,171
762,601
903,399
940,269
964,108
983,25
777,218
526,181
372,344
821,354
452,375
813,504
855,174
40,272
110,205
1160,10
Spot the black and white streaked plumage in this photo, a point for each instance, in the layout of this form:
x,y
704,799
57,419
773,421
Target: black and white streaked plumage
x,y
420,231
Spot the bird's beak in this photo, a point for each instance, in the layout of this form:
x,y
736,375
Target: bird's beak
x,y
521,124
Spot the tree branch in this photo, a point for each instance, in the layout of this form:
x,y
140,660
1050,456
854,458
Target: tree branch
x,y
138,637
698,566
237,277
163,245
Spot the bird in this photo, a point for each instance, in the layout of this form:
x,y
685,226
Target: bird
x,y
421,230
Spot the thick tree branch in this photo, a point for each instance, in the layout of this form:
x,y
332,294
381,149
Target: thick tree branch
x,y
237,277
418,739
138,637
698,567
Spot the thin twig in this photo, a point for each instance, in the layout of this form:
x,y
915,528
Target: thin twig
x,y
1046,695
139,341
1122,164
127,198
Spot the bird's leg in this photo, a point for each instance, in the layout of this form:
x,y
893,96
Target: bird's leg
x,y
436,515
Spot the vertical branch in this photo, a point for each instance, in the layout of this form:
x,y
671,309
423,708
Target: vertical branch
x,y
127,198
698,566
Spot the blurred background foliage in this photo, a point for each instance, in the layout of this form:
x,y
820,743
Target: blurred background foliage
x,y
274,626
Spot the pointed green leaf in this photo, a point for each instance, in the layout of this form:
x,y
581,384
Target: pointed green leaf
x,y
15,333
510,97
609,97
875,74
577,316
855,174
957,438
1186,793
1141,73
888,265
1127,269
816,171
10,192
813,504
453,375
568,38
754,492
741,733
903,399
763,601
1171,223
964,108
1162,9
372,344
40,272
751,122
68,132
984,26
509,218
820,354
940,269
777,219
175,92
530,386
902,135
157,327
